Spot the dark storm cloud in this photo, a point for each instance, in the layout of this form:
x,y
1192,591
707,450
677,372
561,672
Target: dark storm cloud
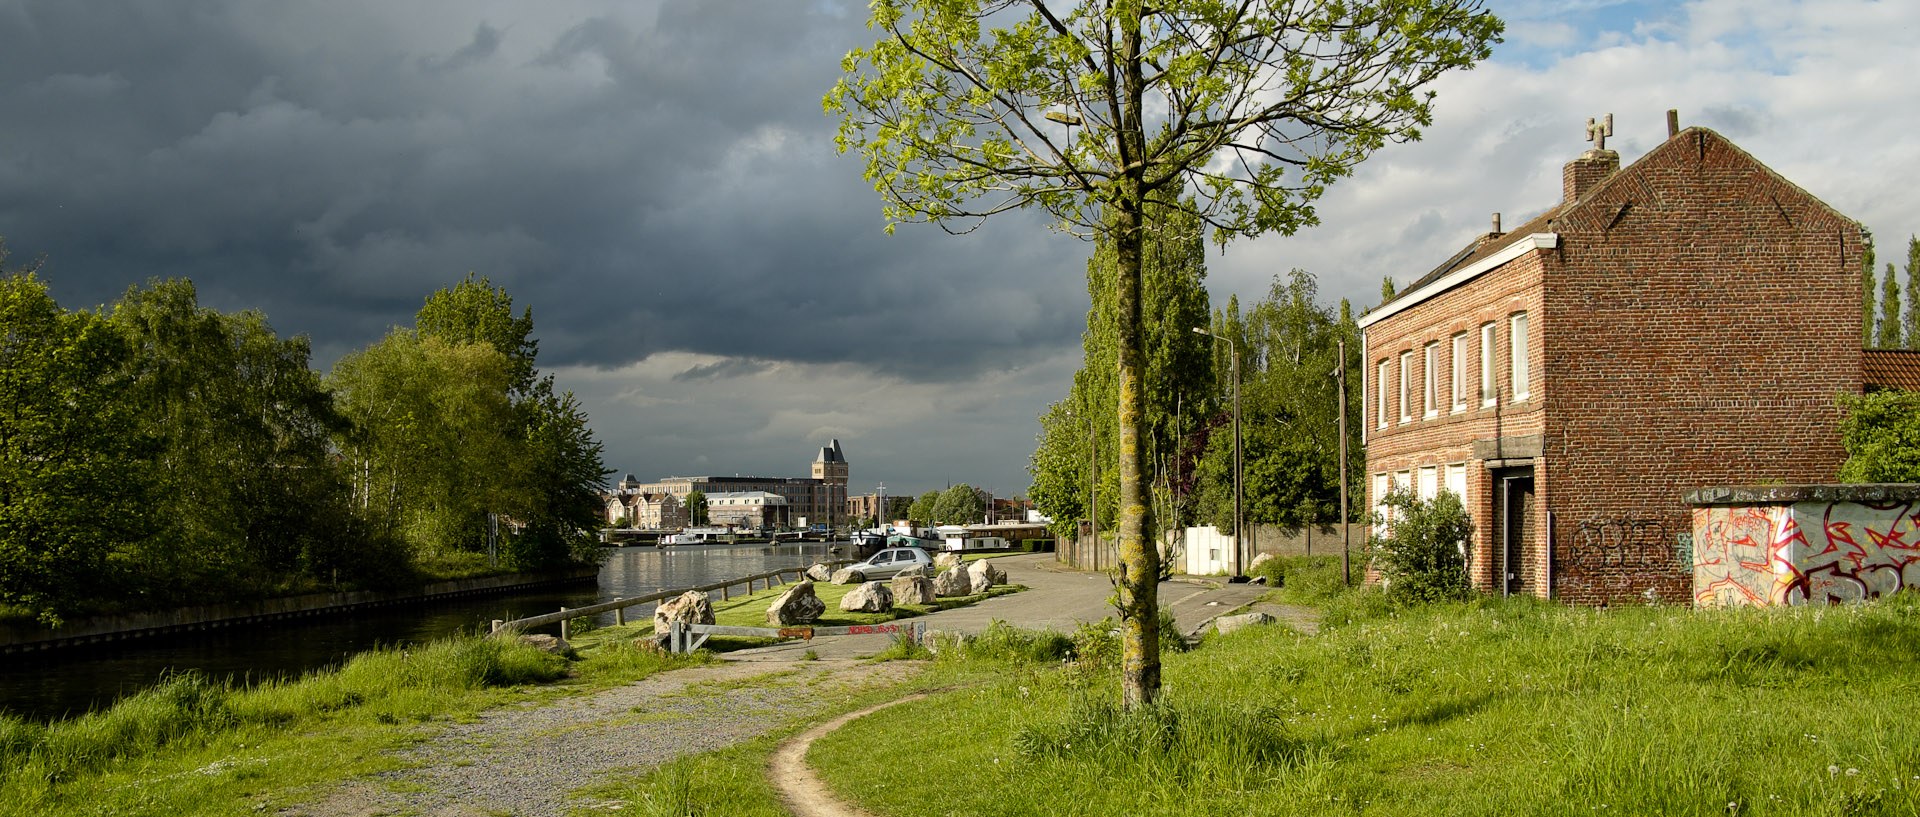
x,y
723,369
647,177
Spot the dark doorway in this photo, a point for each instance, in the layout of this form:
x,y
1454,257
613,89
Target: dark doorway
x,y
1513,529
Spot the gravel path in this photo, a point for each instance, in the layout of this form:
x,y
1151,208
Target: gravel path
x,y
526,761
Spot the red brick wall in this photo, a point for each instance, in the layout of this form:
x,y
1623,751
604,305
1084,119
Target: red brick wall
x,y
1448,438
1701,315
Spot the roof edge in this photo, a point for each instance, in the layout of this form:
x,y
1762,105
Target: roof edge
x,y
1536,241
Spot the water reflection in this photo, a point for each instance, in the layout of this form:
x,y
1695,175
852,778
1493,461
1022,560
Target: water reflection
x,y
63,682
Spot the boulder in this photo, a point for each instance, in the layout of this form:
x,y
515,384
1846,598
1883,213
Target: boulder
x,y
1228,624
691,607
916,570
983,574
870,597
799,605
545,643
1258,561
848,575
915,589
946,560
820,573
952,582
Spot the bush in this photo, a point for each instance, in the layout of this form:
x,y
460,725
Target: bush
x,y
1274,569
1422,558
1006,643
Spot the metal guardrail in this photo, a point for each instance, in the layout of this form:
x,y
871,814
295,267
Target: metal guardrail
x,y
685,638
619,605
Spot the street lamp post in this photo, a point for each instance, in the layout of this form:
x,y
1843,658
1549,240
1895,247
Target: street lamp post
x,y
1346,524
1239,517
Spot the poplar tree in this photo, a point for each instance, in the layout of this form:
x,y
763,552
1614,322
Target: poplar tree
x,y
1866,298
1890,309
1913,292
1242,114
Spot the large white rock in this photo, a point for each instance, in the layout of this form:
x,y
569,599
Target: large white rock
x,y
691,607
984,574
799,605
952,582
915,589
848,575
820,573
1228,624
1258,561
916,570
946,560
871,597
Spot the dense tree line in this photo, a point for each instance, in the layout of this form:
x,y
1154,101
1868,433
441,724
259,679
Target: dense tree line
x,y
957,505
159,453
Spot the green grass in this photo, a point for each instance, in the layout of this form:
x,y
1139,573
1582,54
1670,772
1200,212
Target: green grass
x,y
1483,708
192,746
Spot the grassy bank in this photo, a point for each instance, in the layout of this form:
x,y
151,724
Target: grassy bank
x,y
192,746
1472,709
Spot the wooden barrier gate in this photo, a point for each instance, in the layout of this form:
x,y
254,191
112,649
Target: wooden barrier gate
x,y
685,638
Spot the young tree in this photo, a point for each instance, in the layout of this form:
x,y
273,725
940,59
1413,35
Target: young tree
x,y
1250,109
1422,559
697,508
1890,309
1882,437
1867,334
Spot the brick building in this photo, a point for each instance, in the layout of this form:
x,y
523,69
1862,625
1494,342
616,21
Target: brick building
x,y
1685,321
820,499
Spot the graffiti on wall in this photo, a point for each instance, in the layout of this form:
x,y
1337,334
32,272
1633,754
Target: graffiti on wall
x,y
1621,541
1807,552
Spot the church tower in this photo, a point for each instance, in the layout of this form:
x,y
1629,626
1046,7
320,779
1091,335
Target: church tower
x,y
830,467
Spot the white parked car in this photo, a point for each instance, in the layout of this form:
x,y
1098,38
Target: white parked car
x,y
888,563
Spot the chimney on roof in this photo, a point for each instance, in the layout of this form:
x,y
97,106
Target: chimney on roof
x,y
1496,226
1673,122
1593,166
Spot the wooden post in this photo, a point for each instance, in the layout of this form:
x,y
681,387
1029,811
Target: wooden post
x,y
563,626
619,613
726,592
496,625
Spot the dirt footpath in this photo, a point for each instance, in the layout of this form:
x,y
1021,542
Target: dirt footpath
x,y
528,761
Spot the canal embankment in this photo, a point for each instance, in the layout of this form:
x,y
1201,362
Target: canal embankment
x,y
16,637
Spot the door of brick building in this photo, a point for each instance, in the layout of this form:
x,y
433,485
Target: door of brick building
x,y
1513,532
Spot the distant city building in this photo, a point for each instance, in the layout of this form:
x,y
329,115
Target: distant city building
x,y
749,509
1682,322
820,499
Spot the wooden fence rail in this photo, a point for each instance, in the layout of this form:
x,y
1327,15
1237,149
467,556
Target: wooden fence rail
x,y
619,605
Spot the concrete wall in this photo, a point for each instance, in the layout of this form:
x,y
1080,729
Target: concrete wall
x,y
22,637
1803,544
1206,551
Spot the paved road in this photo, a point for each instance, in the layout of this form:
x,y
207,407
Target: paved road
x,y
1057,598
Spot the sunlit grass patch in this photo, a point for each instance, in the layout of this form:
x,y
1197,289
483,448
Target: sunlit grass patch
x,y
1487,707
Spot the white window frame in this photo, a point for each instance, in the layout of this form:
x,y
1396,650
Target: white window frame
x,y
1518,370
1406,391
1432,397
1460,380
1429,484
1457,481
1380,410
1379,501
1488,389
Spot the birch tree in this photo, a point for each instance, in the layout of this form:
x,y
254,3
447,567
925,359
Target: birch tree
x,y
1090,110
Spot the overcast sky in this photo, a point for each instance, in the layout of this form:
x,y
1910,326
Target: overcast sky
x,y
657,181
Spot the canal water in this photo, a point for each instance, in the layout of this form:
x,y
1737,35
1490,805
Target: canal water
x,y
60,683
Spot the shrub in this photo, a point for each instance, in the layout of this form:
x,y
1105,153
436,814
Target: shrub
x,y
1006,643
1274,569
1422,558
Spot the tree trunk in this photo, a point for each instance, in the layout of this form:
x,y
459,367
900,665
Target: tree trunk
x,y
1139,560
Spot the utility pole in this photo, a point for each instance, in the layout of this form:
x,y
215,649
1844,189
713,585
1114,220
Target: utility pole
x,y
1239,475
1346,523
